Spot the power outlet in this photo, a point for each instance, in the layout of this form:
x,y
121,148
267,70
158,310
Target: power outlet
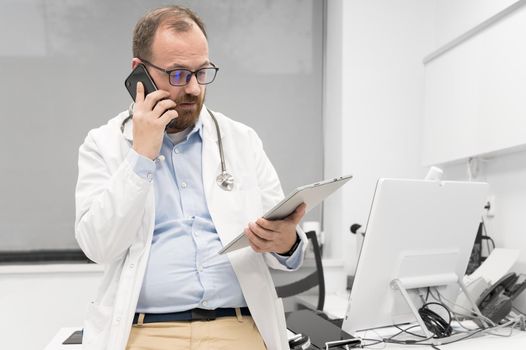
x,y
490,206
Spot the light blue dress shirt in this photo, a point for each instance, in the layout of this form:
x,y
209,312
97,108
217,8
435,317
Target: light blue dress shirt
x,y
184,270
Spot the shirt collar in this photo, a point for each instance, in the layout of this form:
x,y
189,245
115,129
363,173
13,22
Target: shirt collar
x,y
185,135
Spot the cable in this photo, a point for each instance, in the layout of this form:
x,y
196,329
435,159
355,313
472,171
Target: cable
x,y
471,314
408,341
444,341
453,338
519,310
373,342
488,331
434,322
428,293
486,237
407,331
455,317
441,329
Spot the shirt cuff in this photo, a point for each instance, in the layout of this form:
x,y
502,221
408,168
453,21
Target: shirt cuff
x,y
291,262
142,166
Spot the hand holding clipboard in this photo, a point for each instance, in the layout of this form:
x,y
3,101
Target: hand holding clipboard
x,y
311,195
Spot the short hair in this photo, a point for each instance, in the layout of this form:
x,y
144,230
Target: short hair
x,y
175,17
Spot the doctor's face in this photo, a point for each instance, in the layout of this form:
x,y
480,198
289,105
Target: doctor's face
x,y
180,50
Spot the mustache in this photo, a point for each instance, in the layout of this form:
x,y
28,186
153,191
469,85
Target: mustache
x,y
187,99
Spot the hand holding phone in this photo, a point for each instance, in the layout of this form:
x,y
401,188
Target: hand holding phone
x,y
139,74
152,112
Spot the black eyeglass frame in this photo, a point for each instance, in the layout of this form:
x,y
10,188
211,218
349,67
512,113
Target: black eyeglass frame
x,y
170,71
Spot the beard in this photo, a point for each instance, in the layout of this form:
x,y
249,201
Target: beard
x,y
186,117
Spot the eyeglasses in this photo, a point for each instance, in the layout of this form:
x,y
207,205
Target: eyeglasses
x,y
182,76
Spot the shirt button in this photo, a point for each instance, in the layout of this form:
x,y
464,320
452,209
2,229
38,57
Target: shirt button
x,y
205,303
184,185
149,176
200,268
176,150
132,266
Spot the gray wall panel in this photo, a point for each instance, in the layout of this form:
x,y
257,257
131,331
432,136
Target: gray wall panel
x,y
63,64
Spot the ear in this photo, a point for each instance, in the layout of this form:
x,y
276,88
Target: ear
x,y
135,62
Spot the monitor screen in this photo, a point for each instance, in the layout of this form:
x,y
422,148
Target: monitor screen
x,y
418,232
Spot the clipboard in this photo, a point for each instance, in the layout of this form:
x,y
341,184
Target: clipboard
x,y
312,195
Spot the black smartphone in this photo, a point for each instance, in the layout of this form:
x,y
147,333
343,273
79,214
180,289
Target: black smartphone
x,y
139,74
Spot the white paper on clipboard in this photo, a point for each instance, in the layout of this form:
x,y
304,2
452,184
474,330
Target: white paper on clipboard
x,y
311,195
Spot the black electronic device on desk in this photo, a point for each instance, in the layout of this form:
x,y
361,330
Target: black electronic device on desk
x,y
322,333
74,338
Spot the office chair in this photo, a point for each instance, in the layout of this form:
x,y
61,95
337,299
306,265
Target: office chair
x,y
314,279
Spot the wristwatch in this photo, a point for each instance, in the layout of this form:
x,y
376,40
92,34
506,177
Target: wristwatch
x,y
294,246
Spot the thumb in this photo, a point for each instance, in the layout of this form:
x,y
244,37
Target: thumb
x,y
298,213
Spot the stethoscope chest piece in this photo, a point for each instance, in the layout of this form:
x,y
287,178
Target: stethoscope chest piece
x,y
225,181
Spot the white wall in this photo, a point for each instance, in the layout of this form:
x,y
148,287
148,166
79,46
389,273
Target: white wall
x,y
506,173
36,301
376,131
455,17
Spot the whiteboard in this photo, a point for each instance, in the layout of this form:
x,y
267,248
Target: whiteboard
x,y
475,94
63,65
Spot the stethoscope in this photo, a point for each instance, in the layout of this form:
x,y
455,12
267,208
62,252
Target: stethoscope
x,y
224,180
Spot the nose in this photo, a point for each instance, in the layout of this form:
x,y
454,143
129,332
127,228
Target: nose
x,y
193,87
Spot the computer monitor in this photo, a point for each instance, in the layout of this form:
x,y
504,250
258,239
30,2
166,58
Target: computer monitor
x,y
419,233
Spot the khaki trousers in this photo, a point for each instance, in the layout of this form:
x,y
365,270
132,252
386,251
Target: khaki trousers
x,y
223,333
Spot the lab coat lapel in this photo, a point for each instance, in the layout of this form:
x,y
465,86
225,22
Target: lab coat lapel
x,y
226,207
211,161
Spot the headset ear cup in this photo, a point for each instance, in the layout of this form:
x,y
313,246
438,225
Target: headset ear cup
x,y
497,308
493,302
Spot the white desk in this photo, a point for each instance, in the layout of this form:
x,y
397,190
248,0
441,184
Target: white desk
x,y
517,341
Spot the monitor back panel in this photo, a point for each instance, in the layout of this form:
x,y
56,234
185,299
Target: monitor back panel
x,y
417,230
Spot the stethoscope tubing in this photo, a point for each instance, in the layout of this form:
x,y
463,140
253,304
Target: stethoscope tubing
x,y
224,180
219,142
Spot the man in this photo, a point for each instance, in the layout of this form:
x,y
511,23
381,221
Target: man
x,y
149,208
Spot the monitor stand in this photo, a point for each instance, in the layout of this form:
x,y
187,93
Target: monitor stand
x,y
406,283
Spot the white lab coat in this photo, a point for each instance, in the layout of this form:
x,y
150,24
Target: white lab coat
x,y
115,221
